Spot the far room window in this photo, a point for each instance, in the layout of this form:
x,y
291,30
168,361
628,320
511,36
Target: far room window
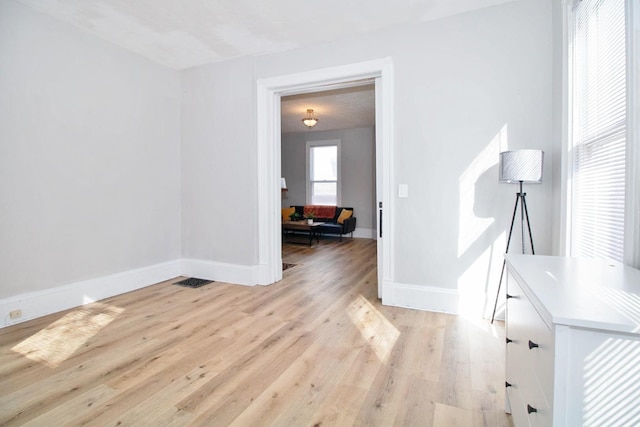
x,y
598,128
323,172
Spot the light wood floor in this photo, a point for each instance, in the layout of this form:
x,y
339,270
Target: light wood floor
x,y
316,349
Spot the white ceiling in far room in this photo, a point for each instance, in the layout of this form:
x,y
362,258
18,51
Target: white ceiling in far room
x,y
346,108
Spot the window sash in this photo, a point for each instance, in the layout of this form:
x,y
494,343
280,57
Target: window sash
x,y
323,179
327,197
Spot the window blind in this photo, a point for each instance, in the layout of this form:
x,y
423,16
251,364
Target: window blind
x,y
598,128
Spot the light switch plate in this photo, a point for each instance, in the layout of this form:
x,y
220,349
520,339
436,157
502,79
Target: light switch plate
x,y
403,190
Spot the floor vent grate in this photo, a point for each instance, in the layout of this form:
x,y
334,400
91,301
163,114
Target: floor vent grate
x,y
193,282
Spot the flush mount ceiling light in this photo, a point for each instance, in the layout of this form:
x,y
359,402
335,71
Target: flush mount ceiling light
x,y
310,120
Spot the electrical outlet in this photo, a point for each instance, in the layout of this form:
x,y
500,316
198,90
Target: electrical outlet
x,y
15,314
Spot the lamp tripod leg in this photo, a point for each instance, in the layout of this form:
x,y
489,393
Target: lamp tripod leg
x,y
495,304
522,221
526,212
504,263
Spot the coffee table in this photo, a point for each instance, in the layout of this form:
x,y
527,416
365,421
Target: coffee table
x,y
288,227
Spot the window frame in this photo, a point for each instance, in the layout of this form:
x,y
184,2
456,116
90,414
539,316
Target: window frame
x,y
631,250
309,183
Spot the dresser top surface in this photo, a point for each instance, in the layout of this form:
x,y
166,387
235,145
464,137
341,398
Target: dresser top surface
x,y
580,292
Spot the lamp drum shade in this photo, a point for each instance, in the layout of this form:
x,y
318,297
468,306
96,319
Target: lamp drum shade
x,y
521,166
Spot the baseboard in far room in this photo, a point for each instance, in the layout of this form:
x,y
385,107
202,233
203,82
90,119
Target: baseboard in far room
x,y
41,303
427,298
364,233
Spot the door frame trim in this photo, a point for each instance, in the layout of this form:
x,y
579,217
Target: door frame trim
x,y
269,91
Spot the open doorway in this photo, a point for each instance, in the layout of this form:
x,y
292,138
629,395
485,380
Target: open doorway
x,y
269,93
333,162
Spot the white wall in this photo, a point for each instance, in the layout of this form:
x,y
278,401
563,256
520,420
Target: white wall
x,y
110,163
89,156
357,166
218,163
466,87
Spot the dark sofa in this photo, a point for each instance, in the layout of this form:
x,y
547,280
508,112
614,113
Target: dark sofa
x,y
331,225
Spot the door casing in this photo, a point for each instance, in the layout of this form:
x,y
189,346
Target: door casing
x,y
269,92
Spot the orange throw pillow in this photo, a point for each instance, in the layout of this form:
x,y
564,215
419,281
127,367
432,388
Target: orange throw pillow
x,y
286,213
345,214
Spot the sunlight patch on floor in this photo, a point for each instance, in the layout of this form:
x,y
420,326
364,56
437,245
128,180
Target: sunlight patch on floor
x,y
376,330
58,341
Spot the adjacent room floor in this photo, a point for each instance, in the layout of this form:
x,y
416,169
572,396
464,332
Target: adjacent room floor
x,y
317,348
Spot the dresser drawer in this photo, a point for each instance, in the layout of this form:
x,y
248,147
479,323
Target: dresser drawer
x,y
529,359
528,407
544,362
526,379
518,408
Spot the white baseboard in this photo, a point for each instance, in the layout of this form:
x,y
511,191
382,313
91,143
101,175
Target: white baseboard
x,y
48,301
427,298
364,233
40,303
220,272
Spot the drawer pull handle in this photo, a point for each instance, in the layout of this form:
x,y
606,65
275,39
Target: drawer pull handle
x,y
532,345
507,384
509,340
509,296
531,409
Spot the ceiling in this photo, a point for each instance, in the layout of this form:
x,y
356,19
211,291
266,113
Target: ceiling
x,y
346,108
187,33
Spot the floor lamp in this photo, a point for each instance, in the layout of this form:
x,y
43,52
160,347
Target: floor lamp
x,y
519,167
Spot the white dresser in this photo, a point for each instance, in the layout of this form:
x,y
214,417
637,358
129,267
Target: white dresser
x,y
573,342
